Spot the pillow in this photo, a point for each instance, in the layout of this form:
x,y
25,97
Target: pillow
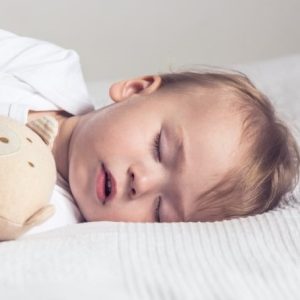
x,y
279,79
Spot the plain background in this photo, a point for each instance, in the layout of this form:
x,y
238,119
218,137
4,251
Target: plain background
x,y
127,38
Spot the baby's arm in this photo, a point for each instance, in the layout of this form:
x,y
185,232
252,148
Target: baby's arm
x,y
22,54
53,72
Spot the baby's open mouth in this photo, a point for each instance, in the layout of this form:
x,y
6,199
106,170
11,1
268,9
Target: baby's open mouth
x,y
106,187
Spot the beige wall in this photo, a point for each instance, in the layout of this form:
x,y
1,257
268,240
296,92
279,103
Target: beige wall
x,y
117,39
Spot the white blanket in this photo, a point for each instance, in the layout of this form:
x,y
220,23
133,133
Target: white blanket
x,y
248,258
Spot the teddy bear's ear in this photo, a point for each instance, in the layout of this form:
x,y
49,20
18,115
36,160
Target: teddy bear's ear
x,y
46,127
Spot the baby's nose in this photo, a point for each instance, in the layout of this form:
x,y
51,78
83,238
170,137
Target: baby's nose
x,y
144,180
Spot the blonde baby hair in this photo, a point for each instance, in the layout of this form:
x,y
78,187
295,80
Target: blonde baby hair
x,y
270,168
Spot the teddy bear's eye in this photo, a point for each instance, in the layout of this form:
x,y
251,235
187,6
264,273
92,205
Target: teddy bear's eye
x,y
29,140
4,140
31,164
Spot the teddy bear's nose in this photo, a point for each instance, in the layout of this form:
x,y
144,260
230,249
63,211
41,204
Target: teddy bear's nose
x,y
4,140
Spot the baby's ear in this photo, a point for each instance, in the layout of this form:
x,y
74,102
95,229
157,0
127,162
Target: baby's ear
x,y
145,85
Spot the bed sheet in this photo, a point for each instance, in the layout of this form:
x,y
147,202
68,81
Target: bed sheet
x,y
248,258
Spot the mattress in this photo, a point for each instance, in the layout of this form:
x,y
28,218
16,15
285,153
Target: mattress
x,y
255,257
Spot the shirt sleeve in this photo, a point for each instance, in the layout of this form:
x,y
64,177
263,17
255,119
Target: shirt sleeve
x,y
52,71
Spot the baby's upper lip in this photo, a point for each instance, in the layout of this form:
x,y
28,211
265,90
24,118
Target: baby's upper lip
x,y
113,185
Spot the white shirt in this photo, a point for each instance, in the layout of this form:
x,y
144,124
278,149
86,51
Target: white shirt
x,y
37,75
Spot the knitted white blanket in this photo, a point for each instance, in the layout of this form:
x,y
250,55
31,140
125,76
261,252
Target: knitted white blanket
x,y
249,258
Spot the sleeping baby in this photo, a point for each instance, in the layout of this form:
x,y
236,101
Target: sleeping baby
x,y
176,147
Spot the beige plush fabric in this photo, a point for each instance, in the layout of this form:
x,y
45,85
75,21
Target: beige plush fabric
x,y
27,175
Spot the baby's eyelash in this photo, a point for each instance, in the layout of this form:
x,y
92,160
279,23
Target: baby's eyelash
x,y
156,146
157,216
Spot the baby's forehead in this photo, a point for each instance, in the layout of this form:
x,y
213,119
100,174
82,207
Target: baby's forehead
x,y
209,113
213,101
214,95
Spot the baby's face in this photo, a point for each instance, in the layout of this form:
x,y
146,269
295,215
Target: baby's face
x,y
197,140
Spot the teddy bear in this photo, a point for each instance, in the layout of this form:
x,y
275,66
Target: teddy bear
x,y
27,174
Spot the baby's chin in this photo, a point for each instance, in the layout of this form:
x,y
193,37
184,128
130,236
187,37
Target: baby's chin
x,y
85,211
87,205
